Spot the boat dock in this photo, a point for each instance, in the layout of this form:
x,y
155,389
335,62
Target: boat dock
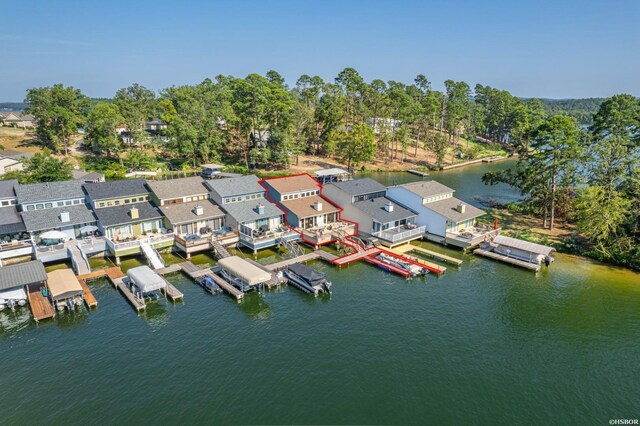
x,y
507,259
430,266
318,254
172,292
89,298
428,253
387,266
344,260
194,272
41,308
274,281
116,276
418,173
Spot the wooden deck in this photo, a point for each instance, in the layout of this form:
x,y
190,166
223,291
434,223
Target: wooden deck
x,y
339,261
225,285
433,254
89,298
418,173
41,308
173,293
507,259
137,303
116,276
170,269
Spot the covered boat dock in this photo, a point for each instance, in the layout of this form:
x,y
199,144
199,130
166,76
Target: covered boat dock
x,y
22,282
145,281
243,274
64,289
517,252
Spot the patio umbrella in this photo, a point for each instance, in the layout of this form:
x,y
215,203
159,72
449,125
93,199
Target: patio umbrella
x,y
53,235
89,228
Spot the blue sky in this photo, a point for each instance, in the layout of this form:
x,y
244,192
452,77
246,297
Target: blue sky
x,y
541,48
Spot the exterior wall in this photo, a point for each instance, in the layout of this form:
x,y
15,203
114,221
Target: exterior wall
x,y
338,196
349,211
436,224
52,204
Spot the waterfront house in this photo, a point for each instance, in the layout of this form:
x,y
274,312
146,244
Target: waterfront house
x,y
14,240
8,164
314,216
257,221
16,119
15,279
188,211
155,126
127,216
447,219
364,201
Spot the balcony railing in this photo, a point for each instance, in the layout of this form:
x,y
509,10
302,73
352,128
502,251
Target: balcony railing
x,y
205,238
399,234
17,244
268,235
155,239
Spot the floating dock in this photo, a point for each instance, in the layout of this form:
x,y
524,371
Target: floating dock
x,y
318,254
350,258
41,308
194,272
436,255
89,298
429,266
507,259
172,292
418,173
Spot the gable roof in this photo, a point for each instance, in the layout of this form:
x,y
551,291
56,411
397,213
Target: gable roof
x,y
7,188
247,211
428,188
184,212
523,245
448,208
374,208
22,274
116,189
229,187
360,186
295,183
120,215
45,219
49,191
10,220
178,188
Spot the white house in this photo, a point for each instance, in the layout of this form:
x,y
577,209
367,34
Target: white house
x,y
447,219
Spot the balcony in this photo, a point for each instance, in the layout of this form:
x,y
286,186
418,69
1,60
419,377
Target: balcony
x,y
267,238
201,242
471,237
325,234
16,248
131,245
401,234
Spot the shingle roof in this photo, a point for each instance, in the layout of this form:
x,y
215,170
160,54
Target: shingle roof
x,y
10,220
246,211
21,274
178,188
49,191
7,188
523,245
427,188
374,208
235,186
116,189
87,177
40,220
292,183
449,209
360,186
303,207
120,215
184,212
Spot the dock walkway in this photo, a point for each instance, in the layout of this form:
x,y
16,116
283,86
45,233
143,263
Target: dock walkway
x,y
172,292
355,256
41,308
507,259
418,173
116,276
431,267
169,269
194,272
436,255
89,298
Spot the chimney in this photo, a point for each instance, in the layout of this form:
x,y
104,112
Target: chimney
x,y
135,214
260,208
64,217
198,210
388,206
461,207
318,205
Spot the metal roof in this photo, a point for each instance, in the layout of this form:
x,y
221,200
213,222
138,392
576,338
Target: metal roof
x,y
247,211
360,186
145,279
247,271
235,186
178,188
428,188
116,189
374,208
63,283
120,215
21,274
523,245
332,172
448,208
45,219
49,191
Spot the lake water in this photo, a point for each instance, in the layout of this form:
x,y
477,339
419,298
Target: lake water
x,y
485,344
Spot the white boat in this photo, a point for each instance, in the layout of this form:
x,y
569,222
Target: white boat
x,y
407,266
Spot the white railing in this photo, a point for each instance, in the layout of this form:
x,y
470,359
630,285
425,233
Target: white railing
x,y
392,236
270,235
156,239
17,244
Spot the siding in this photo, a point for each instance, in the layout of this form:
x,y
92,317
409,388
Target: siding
x,y
436,224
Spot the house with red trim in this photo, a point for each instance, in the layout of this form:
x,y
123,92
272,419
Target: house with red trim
x,y
315,217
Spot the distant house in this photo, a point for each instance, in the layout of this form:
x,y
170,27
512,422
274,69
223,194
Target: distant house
x,y
87,177
260,138
155,126
365,201
383,125
16,119
447,219
9,165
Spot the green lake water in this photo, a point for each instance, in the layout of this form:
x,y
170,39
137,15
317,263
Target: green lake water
x,y
484,344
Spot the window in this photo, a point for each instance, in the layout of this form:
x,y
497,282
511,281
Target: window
x,y
5,203
76,201
188,199
101,204
31,207
67,203
127,201
39,206
60,203
48,205
117,202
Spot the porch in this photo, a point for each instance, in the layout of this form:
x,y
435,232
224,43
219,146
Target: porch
x,y
319,235
131,245
400,234
195,243
260,240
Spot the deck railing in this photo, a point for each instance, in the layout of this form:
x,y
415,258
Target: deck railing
x,y
18,244
156,239
395,236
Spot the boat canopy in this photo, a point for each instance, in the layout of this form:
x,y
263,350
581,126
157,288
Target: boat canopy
x,y
62,284
523,245
16,294
145,279
313,277
244,270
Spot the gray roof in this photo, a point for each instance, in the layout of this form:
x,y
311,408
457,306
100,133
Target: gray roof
x,y
120,215
246,211
449,209
49,191
427,188
9,215
235,186
87,177
45,219
184,212
7,188
375,209
116,189
523,245
332,172
21,274
360,186
178,188
12,153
